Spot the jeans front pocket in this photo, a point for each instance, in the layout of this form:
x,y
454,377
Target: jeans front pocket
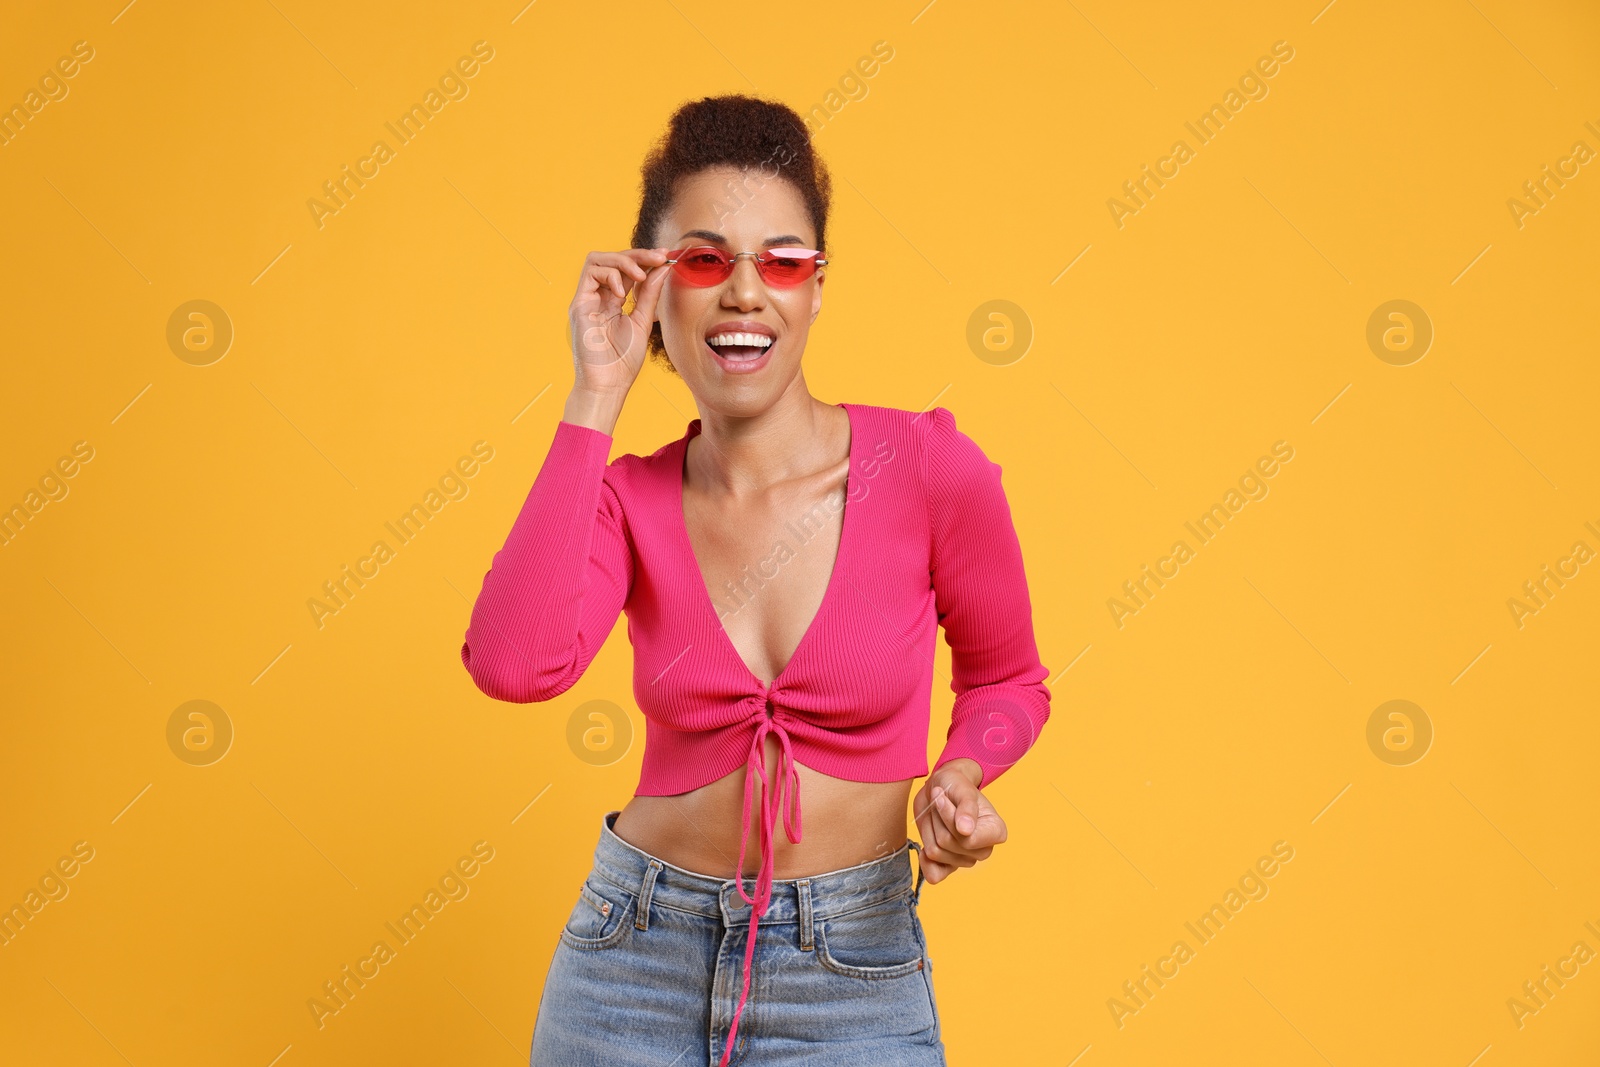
x,y
879,941
599,918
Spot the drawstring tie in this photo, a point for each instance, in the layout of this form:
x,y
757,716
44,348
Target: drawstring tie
x,y
788,787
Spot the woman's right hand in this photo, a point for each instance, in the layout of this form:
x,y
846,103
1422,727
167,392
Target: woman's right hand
x,y
608,346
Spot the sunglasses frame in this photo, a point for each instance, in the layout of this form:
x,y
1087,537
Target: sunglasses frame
x,y
761,258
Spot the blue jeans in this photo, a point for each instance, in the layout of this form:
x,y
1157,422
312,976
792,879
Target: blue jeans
x,y
649,968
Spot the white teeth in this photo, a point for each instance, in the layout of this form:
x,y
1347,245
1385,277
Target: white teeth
x,y
756,339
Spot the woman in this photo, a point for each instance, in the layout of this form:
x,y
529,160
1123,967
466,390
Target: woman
x,y
784,566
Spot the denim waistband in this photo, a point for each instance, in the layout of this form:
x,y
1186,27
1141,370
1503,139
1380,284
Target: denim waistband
x,y
655,882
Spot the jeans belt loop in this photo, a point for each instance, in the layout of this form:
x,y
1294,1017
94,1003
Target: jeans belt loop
x,y
804,887
641,917
916,892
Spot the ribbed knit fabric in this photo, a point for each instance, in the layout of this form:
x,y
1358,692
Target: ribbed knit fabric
x,y
927,540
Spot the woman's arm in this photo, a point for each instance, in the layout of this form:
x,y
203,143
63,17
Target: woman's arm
x,y
554,591
981,593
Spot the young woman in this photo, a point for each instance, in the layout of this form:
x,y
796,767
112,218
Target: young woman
x,y
785,566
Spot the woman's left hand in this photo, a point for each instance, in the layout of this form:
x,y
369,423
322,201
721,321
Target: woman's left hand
x,y
959,826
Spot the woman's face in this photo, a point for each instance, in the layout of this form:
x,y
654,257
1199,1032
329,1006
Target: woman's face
x,y
715,207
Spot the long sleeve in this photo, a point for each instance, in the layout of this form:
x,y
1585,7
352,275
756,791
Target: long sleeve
x,y
554,591
981,594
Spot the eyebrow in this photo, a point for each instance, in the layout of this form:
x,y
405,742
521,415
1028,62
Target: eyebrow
x,y
770,242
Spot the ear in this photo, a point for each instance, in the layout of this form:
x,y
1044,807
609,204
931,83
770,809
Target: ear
x,y
816,294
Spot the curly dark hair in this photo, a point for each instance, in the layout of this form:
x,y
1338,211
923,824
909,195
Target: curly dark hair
x,y
733,130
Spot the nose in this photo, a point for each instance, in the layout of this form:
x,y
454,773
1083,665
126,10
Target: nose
x,y
745,289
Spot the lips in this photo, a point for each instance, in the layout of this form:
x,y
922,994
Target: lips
x,y
741,341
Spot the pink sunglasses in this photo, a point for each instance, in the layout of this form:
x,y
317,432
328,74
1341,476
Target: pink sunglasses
x,y
782,268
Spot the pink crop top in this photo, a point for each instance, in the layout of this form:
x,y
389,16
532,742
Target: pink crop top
x,y
927,540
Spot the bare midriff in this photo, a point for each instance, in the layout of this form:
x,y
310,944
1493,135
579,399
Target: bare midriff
x,y
844,823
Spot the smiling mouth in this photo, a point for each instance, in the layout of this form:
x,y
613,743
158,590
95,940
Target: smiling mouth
x,y
736,346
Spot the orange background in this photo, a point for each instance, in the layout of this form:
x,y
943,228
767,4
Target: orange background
x,y
1230,312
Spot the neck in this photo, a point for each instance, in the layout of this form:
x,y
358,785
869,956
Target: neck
x,y
742,453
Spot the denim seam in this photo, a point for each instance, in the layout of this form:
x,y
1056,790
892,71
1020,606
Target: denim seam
x,y
641,915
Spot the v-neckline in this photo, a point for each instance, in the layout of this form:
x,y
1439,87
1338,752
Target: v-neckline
x,y
698,575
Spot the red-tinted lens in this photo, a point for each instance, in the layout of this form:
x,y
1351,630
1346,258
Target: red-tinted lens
x,y
701,266
788,266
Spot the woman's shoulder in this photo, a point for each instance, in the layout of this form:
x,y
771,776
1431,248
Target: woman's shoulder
x,y
940,446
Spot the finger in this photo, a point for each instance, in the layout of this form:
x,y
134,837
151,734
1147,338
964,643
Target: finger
x,y
933,871
601,280
633,262
954,844
964,795
942,844
649,295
